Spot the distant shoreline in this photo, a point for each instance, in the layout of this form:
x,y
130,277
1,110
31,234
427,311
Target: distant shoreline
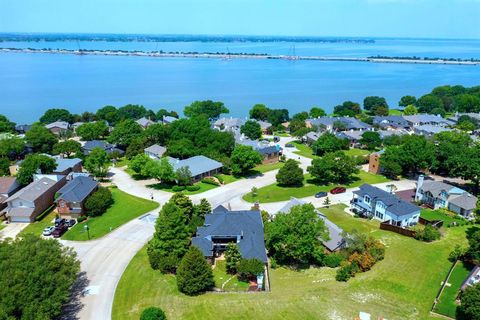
x,y
228,56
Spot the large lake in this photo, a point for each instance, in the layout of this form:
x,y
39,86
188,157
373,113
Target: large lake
x,y
31,83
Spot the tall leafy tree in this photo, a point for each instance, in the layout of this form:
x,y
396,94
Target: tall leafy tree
x,y
317,112
132,111
109,114
6,125
429,102
184,176
348,108
251,129
232,257
244,159
209,108
290,174
40,138
67,148
171,239
11,147
97,162
469,309
335,167
328,142
161,170
125,132
410,110
92,130
294,237
52,115
35,163
371,140
259,112
194,274
407,100
376,105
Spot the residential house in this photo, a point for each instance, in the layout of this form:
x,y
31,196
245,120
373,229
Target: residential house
x,y
311,137
109,148
438,194
329,124
65,166
22,128
265,126
353,137
144,122
422,119
8,186
384,206
472,279
228,124
71,197
429,130
390,122
336,240
168,119
155,151
221,227
26,204
199,166
457,115
374,162
58,127
270,153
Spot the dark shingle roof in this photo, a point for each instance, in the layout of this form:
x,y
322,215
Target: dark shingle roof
x,y
246,225
394,204
77,189
197,164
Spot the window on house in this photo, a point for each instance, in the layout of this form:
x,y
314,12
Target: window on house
x,y
367,199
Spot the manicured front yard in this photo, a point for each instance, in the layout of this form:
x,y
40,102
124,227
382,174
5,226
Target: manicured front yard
x,y
446,304
225,281
37,227
303,150
125,208
274,192
402,286
168,187
355,152
448,218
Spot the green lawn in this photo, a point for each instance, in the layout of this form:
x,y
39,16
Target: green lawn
x,y
402,286
168,187
395,112
37,227
229,282
447,217
446,304
303,150
125,208
274,192
355,152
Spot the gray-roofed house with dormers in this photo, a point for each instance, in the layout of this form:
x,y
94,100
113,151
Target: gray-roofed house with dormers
x,y
92,144
221,227
381,205
336,240
155,151
72,196
199,166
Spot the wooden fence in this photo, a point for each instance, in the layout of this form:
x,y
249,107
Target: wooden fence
x,y
387,226
434,223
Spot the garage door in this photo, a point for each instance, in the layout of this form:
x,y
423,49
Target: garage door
x,y
20,219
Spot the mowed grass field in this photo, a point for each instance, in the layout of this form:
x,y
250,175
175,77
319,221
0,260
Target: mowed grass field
x,y
125,208
402,286
274,192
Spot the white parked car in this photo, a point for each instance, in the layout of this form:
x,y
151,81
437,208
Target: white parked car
x,y
48,231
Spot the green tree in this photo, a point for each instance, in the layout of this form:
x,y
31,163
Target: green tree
x,y
348,108
34,163
109,114
184,203
252,130
11,147
232,258
429,102
371,140
194,274
153,313
97,162
171,239
428,234
438,112
250,268
467,123
98,202
259,112
209,108
184,176
161,170
278,116
40,138
137,146
297,125
410,110
244,159
132,111
124,132
157,134
376,105
67,148
294,237
52,115
92,130
334,167
4,167
182,148
473,251
290,174
469,309
328,142
317,112
6,125
203,208
467,103
37,277
407,101
140,165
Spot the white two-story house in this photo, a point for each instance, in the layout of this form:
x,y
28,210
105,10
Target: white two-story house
x,y
381,205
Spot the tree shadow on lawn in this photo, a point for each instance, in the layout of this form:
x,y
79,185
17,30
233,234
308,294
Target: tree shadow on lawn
x,y
161,186
345,183
74,305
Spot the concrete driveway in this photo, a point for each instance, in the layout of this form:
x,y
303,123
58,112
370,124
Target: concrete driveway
x,y
12,229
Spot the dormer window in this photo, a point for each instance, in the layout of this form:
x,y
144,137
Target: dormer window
x,y
367,199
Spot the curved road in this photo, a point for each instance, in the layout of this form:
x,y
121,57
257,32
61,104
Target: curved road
x,y
104,260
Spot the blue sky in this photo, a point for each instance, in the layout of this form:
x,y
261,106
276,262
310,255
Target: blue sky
x,y
370,18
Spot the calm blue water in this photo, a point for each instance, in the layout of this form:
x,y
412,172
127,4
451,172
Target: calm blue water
x,y
31,83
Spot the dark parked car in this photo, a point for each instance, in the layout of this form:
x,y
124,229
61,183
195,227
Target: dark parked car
x,y
276,139
71,222
61,229
338,190
289,145
321,194
59,221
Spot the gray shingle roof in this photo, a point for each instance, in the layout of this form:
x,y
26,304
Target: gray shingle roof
x,y
144,122
34,190
247,226
436,187
425,118
394,204
335,232
65,164
58,124
156,150
350,123
109,148
390,120
77,189
465,201
197,165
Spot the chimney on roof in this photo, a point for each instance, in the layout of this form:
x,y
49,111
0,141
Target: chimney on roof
x,y
256,206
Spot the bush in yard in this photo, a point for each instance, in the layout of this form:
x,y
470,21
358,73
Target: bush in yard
x,y
220,178
428,234
333,260
193,188
290,174
178,188
364,261
153,313
232,258
98,202
194,274
469,309
346,272
210,180
184,176
81,219
249,268
457,253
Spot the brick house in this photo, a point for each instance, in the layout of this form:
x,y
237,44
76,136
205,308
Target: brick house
x,y
71,197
